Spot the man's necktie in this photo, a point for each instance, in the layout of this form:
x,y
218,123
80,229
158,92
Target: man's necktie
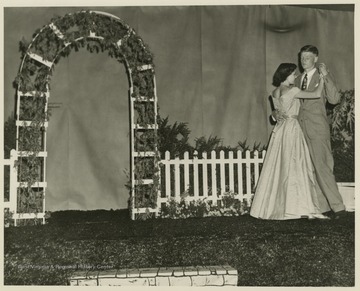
x,y
304,83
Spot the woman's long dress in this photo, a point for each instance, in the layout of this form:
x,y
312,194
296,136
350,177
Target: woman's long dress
x,y
287,185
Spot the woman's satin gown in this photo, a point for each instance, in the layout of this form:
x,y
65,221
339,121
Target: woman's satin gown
x,y
287,185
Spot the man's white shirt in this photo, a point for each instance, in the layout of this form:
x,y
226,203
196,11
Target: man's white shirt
x,y
309,76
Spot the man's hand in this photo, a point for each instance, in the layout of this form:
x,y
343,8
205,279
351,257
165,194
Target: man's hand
x,y
278,115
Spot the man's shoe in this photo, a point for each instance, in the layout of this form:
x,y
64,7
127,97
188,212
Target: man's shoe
x,y
340,214
328,213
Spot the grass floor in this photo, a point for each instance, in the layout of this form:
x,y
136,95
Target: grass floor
x,y
265,253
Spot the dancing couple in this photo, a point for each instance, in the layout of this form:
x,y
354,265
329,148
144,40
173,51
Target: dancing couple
x,y
297,179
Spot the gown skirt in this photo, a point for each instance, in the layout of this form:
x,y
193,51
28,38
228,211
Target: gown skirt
x,y
287,187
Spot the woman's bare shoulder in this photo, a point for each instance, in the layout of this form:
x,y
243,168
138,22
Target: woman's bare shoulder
x,y
276,93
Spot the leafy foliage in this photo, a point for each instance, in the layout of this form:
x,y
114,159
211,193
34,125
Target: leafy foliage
x,y
29,200
229,205
173,138
9,144
8,217
244,146
144,113
343,136
343,115
46,44
9,136
207,145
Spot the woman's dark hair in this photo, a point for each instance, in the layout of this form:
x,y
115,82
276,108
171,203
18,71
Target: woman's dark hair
x,y
282,72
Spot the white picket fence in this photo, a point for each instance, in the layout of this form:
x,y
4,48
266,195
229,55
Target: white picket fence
x,y
207,177
210,176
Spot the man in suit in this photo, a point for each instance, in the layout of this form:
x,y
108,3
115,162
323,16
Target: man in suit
x,y
313,121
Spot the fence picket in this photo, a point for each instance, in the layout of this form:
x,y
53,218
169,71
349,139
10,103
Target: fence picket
x,y
256,167
205,176
196,175
248,173
177,178
167,174
213,176
231,172
240,174
222,172
186,171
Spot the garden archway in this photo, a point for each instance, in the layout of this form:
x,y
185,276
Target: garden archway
x,y
96,31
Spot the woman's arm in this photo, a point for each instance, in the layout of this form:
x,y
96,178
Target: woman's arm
x,y
312,94
277,115
331,92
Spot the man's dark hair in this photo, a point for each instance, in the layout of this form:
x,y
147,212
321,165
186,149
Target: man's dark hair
x,y
310,48
282,72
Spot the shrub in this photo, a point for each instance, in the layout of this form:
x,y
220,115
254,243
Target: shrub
x,y
229,205
342,118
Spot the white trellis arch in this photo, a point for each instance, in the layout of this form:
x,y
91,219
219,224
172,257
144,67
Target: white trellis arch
x,y
97,31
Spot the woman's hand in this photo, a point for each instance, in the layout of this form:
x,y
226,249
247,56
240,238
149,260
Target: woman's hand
x,y
322,69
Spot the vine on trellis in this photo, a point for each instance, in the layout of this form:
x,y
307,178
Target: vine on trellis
x,y
96,33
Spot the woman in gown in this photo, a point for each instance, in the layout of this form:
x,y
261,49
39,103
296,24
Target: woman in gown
x,y
287,185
